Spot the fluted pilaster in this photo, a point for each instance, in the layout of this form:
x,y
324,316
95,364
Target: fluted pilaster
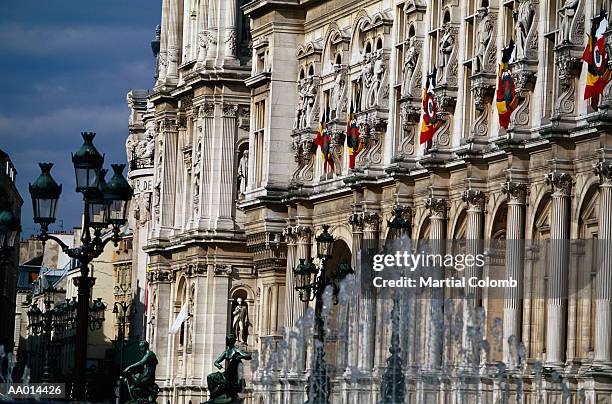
x,y
169,131
515,230
561,184
603,302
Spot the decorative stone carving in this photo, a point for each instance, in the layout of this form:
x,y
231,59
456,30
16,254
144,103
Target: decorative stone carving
x,y
142,210
568,67
230,42
223,270
206,110
371,221
337,150
230,110
515,191
243,172
356,222
560,182
603,169
437,207
303,150
484,34
372,126
474,198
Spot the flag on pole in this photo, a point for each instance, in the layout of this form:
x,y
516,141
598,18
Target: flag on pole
x,y
596,57
323,140
180,319
431,121
353,143
506,99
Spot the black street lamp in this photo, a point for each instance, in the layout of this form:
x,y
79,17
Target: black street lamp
x,y
122,310
110,209
311,283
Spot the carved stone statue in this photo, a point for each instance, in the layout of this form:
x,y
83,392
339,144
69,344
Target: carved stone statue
x,y
243,172
311,95
240,320
367,70
202,45
140,377
524,19
567,12
483,37
378,72
410,61
225,386
300,109
447,45
337,90
130,146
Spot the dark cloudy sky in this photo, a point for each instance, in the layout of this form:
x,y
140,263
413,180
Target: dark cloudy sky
x,y
66,67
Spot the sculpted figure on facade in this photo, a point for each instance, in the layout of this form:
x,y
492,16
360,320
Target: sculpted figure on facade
x,y
337,90
202,45
447,45
378,71
130,146
524,20
243,172
240,320
300,109
410,62
567,14
307,92
483,37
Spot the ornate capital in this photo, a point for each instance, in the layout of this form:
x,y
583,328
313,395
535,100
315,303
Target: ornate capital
x,y
516,192
437,207
604,170
160,275
206,110
371,221
474,198
230,110
223,270
560,182
356,222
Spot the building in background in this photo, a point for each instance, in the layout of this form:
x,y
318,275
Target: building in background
x,y
10,201
530,161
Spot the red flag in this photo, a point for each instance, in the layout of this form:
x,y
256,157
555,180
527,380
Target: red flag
x,y
352,138
431,121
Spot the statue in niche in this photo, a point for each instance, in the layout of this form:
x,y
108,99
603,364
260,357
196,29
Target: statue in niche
x,y
243,173
483,37
567,13
337,90
367,70
447,45
378,71
524,19
240,320
311,94
225,386
300,110
410,61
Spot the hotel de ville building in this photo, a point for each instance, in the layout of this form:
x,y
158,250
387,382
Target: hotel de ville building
x,y
466,119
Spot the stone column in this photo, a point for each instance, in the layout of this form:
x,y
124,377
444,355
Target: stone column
x,y
475,200
356,222
170,135
162,60
437,218
556,295
211,32
367,344
603,302
230,30
173,41
226,183
292,259
515,233
206,117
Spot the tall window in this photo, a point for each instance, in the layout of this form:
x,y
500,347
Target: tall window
x,y
260,120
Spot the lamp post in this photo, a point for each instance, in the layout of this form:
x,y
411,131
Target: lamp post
x,y
311,283
121,310
104,205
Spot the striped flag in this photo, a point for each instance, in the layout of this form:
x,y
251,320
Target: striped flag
x,y
505,99
353,143
596,57
431,121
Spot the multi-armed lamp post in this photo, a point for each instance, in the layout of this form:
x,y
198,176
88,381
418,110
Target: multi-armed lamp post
x,y
311,283
104,204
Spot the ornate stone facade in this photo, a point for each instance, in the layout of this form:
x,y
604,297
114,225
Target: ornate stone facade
x,y
235,206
